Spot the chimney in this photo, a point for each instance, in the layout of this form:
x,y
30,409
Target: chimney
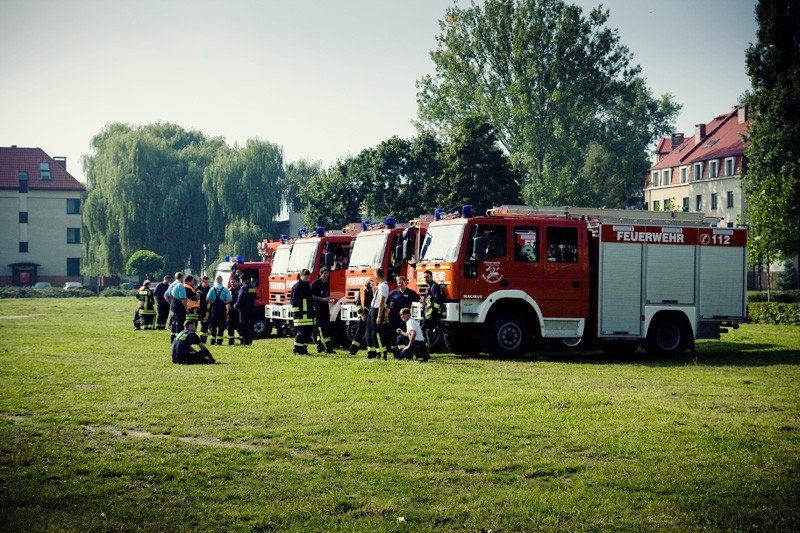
x,y
742,114
61,160
699,133
677,140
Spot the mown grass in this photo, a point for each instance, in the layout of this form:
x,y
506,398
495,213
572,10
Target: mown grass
x,y
99,431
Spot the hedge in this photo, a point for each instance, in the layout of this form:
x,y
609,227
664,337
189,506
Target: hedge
x,y
774,313
52,292
785,297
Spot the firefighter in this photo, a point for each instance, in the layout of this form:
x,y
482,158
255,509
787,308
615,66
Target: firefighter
x,y
377,318
400,298
205,311
321,294
431,307
193,300
302,302
363,303
147,305
217,300
412,338
246,304
184,351
176,296
233,314
161,302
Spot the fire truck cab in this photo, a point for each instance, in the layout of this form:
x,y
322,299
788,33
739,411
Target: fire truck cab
x,y
572,275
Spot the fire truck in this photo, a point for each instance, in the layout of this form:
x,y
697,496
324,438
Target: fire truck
x,y
577,275
260,272
313,251
391,246
278,297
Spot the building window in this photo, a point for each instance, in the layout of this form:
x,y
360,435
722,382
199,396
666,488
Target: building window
x,y
684,173
73,266
73,206
23,181
730,224
666,177
23,247
730,198
655,179
698,202
698,171
685,204
713,200
23,217
44,171
713,169
656,205
73,235
730,166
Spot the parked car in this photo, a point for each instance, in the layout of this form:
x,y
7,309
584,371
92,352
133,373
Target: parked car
x,y
42,285
72,285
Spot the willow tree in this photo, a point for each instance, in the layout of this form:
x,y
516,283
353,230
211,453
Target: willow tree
x,y
552,83
244,186
144,192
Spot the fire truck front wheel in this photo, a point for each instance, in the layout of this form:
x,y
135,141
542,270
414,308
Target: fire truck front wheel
x,y
261,328
507,335
668,335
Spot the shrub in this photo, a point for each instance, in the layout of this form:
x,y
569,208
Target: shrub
x,y
786,297
774,313
117,291
53,292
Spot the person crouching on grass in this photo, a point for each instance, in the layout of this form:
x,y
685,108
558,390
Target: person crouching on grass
x,y
413,334
184,351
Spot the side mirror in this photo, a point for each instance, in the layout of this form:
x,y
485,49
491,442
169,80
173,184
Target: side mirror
x,y
479,248
399,254
330,259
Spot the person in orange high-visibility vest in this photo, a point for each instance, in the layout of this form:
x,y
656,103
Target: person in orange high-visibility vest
x,y
193,300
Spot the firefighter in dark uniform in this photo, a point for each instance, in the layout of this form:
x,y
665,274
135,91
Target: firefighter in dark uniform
x,y
321,294
246,304
147,305
161,302
400,298
431,307
376,326
217,300
363,303
176,295
205,309
302,303
233,314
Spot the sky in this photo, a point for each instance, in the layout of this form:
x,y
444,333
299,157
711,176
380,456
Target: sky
x,y
324,79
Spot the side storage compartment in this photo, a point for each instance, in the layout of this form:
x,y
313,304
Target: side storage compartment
x,y
620,289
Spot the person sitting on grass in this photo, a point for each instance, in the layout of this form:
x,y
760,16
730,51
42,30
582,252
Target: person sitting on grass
x,y
413,334
188,349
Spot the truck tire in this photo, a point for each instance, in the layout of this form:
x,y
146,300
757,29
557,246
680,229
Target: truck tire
x,y
507,335
436,340
261,328
352,327
668,336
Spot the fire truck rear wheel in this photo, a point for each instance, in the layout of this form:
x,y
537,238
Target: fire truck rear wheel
x,y
667,336
507,335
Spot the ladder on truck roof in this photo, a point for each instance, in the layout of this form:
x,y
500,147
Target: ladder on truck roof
x,y
677,218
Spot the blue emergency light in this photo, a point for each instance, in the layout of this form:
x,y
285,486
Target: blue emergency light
x,y
437,214
390,223
284,238
365,225
320,231
227,259
302,232
240,259
466,211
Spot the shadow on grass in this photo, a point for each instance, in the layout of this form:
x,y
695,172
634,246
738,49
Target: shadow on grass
x,y
706,354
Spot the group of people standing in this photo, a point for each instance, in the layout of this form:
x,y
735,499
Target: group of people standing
x,y
385,323
216,309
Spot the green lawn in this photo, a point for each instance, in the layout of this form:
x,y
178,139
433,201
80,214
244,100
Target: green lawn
x,y
100,431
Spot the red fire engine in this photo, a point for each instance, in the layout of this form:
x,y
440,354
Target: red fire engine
x,y
312,251
576,275
260,272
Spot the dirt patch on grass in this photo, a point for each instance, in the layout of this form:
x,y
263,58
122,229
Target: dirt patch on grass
x,y
19,317
199,441
15,418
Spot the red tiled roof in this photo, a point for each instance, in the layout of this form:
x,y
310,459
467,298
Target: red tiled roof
x,y
725,129
13,160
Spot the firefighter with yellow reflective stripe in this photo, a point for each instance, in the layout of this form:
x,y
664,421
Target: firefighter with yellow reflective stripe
x,y
363,303
246,306
233,314
431,307
302,310
192,300
147,305
378,316
321,294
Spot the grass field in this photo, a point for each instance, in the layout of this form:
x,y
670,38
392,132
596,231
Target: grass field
x,y
100,431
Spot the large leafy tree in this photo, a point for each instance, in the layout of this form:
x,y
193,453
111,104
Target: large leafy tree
x,y
297,174
144,192
554,85
772,178
333,198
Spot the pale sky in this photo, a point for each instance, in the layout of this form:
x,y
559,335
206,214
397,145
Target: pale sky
x,y
322,79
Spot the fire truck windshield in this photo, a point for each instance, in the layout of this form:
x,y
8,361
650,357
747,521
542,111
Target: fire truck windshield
x,y
303,255
280,260
442,243
368,251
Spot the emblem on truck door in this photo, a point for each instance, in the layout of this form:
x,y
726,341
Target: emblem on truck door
x,y
492,274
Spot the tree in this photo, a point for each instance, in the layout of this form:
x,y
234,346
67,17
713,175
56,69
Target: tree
x,y
771,181
332,199
552,84
476,171
145,264
296,174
